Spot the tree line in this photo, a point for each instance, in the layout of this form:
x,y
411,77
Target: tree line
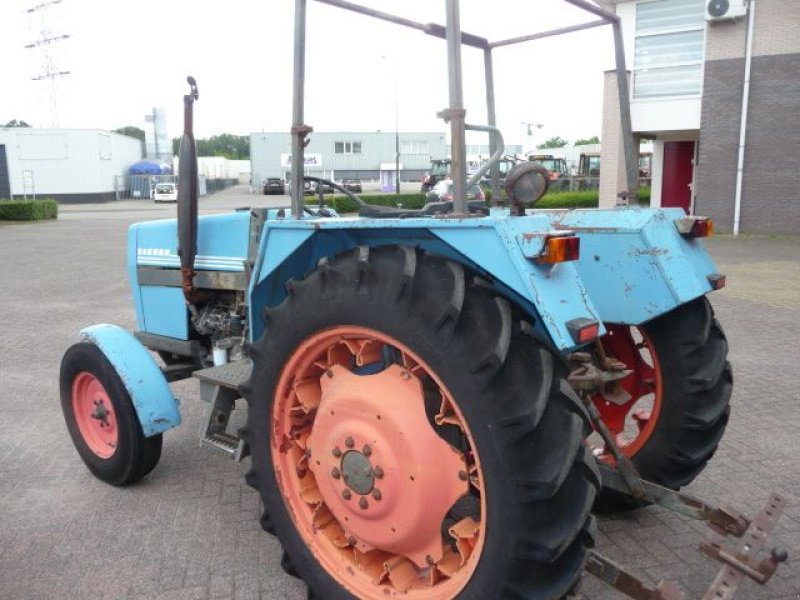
x,y
228,145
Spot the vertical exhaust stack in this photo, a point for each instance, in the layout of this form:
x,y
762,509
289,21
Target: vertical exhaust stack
x,y
187,197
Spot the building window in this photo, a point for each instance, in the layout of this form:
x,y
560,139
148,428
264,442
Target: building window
x,y
414,148
670,43
347,147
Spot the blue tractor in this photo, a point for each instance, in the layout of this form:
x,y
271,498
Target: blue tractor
x,y
438,398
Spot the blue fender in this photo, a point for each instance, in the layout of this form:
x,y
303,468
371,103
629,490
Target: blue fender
x,y
152,397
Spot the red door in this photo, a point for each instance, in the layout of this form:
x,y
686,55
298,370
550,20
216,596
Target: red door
x,y
676,186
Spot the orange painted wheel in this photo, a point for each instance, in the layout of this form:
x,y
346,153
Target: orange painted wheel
x,y
101,418
671,411
410,439
94,414
631,408
367,480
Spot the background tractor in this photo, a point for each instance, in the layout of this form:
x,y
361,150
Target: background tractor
x,y
436,398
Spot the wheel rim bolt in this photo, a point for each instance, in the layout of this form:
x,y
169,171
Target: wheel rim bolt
x,y
429,560
351,540
329,373
367,450
405,375
335,473
376,494
378,472
462,475
349,442
346,494
363,504
337,452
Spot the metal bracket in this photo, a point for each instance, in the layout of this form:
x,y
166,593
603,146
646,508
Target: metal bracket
x,y
616,576
724,521
740,563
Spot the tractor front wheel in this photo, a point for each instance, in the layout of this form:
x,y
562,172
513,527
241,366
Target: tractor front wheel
x,y
101,419
409,437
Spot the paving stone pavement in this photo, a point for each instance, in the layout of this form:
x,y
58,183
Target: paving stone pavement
x,y
190,530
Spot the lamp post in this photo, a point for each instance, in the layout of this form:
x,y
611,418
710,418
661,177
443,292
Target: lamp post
x,y
529,133
396,126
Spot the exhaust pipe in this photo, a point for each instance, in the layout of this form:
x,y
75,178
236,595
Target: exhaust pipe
x,y
187,197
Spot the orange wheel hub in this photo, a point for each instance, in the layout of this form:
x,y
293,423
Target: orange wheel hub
x,y
94,414
367,480
632,409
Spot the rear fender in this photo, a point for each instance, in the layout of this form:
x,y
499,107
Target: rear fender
x,y
155,405
501,249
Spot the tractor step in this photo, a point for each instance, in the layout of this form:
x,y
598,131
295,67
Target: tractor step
x,y
219,386
228,444
230,375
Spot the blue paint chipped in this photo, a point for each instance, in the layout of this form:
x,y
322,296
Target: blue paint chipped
x,y
150,393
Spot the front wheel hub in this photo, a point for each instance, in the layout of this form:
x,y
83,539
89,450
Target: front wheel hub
x,y
382,418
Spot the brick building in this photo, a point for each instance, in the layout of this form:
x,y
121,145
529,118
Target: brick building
x,y
687,62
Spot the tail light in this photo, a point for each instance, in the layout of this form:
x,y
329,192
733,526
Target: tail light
x,y
695,227
560,248
716,281
583,330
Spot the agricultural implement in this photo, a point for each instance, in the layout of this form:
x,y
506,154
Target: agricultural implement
x,y
436,398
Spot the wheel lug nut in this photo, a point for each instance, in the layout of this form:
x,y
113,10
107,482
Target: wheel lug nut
x,y
351,540
378,472
367,450
363,504
346,494
349,442
405,375
429,560
337,452
329,373
462,475
376,494
335,473
301,472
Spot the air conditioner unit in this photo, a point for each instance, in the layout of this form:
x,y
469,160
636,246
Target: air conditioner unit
x,y
725,10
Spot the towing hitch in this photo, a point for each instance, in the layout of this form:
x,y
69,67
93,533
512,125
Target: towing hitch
x,y
738,563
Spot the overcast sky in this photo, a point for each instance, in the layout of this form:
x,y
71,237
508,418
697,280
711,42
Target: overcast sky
x,y
126,57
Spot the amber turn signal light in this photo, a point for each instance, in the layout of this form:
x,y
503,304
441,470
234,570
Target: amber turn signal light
x,y
560,249
695,227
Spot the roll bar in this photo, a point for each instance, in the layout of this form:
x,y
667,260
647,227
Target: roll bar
x,y
455,113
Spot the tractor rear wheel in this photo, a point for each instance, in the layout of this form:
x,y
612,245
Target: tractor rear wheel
x,y
675,404
408,436
101,418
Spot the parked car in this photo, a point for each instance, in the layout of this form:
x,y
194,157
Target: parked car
x,y
165,192
443,192
352,185
274,185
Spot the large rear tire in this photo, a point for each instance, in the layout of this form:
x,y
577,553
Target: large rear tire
x,y
484,394
690,381
101,418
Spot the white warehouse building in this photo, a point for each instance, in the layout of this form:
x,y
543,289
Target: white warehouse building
x,y
69,165
348,155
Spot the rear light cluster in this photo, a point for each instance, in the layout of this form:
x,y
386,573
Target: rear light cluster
x,y
560,248
583,330
695,227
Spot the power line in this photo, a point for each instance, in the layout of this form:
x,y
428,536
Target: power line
x,y
46,44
